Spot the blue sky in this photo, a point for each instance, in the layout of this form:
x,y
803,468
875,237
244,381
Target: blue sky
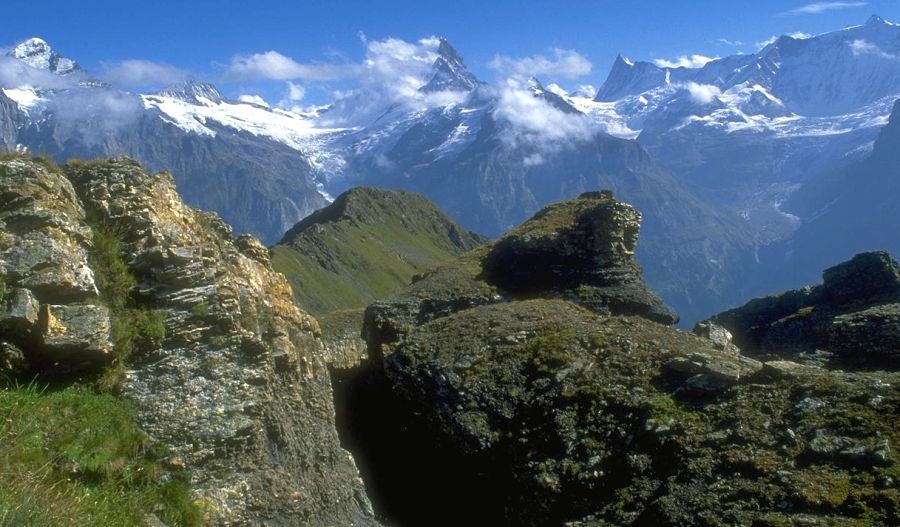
x,y
203,38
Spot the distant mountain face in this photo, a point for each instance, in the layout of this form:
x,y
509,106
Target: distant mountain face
x,y
852,210
709,155
255,176
747,130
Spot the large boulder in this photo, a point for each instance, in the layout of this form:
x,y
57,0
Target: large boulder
x,y
581,249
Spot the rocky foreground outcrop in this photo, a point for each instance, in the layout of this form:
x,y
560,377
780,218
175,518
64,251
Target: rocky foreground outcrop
x,y
511,391
580,250
231,381
852,318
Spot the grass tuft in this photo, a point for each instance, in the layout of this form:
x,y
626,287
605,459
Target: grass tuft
x,y
75,456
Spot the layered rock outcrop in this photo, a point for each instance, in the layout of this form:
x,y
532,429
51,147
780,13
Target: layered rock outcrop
x,y
235,388
853,317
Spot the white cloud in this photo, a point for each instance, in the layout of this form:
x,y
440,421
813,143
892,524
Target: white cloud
x,y
796,35
763,43
702,93
293,94
533,160
861,47
732,43
822,7
253,99
272,65
586,90
393,72
562,64
402,66
141,73
536,122
14,74
693,61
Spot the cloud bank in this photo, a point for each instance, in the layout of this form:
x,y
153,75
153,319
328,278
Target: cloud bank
x,y
862,47
562,63
142,73
272,65
817,8
684,61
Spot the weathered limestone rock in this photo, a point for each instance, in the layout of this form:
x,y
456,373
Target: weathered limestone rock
x,y
79,331
43,238
21,312
718,335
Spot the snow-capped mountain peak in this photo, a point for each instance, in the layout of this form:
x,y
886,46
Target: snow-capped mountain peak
x,y
630,78
37,53
876,20
449,72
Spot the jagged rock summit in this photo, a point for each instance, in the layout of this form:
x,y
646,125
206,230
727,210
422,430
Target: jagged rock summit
x,y
104,266
449,72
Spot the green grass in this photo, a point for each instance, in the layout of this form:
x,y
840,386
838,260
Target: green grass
x,y
74,456
550,350
367,250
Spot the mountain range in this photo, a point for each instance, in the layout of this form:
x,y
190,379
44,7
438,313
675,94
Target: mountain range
x,y
714,157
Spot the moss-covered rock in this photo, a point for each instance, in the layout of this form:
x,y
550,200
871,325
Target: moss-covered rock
x,y
561,411
597,420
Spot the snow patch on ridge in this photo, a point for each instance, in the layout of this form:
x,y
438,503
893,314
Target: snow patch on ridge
x,y
283,126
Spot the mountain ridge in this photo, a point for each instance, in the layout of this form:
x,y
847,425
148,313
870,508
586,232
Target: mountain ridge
x,y
365,245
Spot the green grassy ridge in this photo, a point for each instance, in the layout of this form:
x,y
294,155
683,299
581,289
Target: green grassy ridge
x,y
366,245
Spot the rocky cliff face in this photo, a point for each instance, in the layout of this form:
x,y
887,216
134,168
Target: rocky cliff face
x,y
488,384
235,387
